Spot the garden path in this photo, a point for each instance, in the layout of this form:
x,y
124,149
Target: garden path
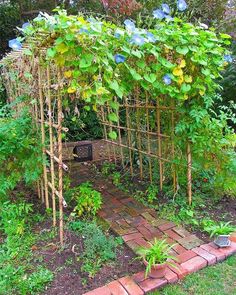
x,y
138,225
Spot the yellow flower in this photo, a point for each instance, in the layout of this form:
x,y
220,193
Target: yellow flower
x,y
81,20
178,72
68,74
202,92
180,80
71,90
188,79
182,64
186,96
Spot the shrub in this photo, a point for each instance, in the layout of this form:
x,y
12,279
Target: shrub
x,y
88,200
20,150
99,248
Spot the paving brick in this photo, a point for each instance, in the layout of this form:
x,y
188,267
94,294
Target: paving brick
x,y
149,285
190,242
178,269
127,200
132,212
130,286
185,256
171,276
233,237
151,228
142,243
166,226
194,264
211,259
220,256
181,231
116,288
133,245
158,222
139,277
173,235
136,221
179,249
228,251
148,216
131,237
145,232
99,291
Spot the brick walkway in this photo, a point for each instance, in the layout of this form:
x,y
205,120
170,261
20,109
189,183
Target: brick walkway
x,y
137,225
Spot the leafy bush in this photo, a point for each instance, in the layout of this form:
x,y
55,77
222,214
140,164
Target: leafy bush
x,y
88,200
222,228
98,247
20,150
16,275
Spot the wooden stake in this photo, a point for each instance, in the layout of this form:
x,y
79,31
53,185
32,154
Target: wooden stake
x,y
138,135
51,144
129,138
60,169
148,137
43,133
189,173
159,144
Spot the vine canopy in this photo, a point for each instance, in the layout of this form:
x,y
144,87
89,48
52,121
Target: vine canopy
x,y
174,59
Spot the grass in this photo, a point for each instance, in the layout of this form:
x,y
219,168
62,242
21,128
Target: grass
x,y
215,280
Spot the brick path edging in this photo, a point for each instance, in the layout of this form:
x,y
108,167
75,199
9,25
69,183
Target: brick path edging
x,y
137,284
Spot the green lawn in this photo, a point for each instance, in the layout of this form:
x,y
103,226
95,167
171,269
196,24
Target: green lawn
x,y
215,280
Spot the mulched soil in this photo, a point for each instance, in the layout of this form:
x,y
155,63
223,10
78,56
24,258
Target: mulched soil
x,y
69,279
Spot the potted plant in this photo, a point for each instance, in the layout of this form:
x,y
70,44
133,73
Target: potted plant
x,y
156,258
221,232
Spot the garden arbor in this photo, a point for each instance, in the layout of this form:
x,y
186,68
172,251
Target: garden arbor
x,y
141,83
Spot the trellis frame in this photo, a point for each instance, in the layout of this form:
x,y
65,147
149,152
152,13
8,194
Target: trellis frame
x,y
46,86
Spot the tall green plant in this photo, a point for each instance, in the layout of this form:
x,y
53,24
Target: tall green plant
x,y
20,150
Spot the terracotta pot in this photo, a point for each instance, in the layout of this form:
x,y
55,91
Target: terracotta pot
x,y
157,271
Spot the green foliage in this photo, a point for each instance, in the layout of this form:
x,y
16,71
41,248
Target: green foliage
x,y
223,228
157,253
20,150
116,178
17,274
88,200
99,248
108,168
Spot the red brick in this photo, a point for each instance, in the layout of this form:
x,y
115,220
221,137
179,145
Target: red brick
x,y
181,231
99,291
194,264
187,255
173,235
166,226
145,232
151,228
211,259
142,243
116,288
220,256
148,217
152,284
179,249
171,276
139,277
133,245
233,237
228,251
130,286
178,269
131,237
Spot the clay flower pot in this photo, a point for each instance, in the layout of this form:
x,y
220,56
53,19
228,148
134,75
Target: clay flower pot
x,y
158,271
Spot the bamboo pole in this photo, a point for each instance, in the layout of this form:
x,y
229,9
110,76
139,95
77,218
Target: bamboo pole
x,y
129,138
52,169
60,169
43,132
189,173
105,132
138,134
148,138
51,154
119,135
173,148
110,128
159,143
